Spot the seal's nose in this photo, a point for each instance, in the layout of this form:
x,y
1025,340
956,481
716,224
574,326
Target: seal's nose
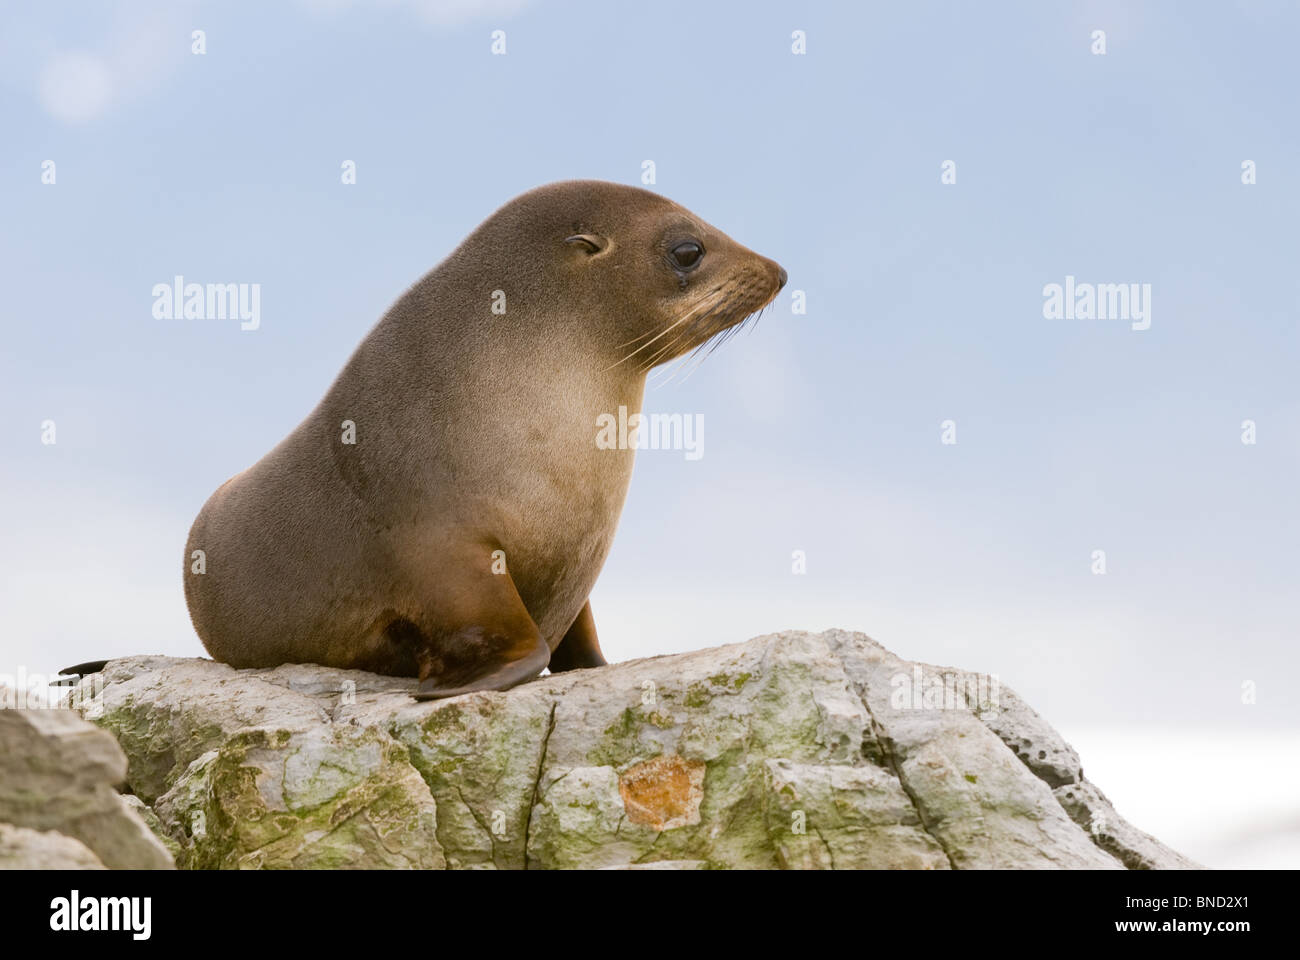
x,y
781,278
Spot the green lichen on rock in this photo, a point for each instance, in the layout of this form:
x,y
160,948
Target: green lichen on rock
x,y
278,799
480,758
698,695
619,739
734,682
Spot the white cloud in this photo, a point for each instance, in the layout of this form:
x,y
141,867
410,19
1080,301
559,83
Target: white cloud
x,y
140,48
75,87
143,45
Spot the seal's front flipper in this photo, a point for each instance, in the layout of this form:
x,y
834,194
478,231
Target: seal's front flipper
x,y
476,658
483,640
579,648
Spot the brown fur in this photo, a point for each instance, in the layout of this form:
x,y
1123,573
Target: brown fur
x,y
474,432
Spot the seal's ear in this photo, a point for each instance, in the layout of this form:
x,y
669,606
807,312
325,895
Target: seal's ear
x,y
590,242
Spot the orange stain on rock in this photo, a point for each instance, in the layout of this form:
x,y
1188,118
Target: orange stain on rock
x,y
664,792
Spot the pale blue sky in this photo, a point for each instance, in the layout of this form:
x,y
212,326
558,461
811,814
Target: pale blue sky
x,y
822,430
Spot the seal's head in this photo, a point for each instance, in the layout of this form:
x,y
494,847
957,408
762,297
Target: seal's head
x,y
662,281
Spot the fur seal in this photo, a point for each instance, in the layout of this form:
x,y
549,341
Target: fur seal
x,y
445,510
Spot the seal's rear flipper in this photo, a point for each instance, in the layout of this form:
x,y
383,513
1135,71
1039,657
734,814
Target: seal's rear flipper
x,y
579,649
68,676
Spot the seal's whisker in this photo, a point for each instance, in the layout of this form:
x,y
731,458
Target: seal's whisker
x,y
671,372
626,343
696,357
717,341
716,308
666,330
672,326
702,301
649,364
686,359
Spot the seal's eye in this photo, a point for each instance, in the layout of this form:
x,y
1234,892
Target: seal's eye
x,y
686,256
